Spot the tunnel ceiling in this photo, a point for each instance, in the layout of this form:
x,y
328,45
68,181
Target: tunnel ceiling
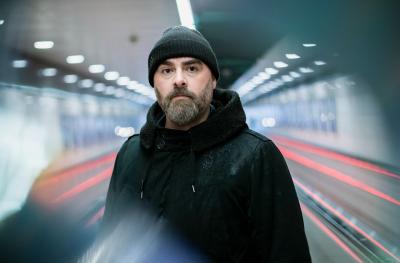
x,y
120,33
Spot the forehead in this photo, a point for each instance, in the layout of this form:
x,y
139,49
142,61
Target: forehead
x,y
182,60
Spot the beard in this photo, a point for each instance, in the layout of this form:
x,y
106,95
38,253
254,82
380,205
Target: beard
x,y
186,110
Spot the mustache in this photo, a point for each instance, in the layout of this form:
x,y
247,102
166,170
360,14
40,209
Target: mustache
x,y
180,92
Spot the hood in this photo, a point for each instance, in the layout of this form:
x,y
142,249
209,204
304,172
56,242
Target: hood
x,y
227,120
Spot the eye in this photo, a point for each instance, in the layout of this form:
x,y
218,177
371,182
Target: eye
x,y
166,71
193,68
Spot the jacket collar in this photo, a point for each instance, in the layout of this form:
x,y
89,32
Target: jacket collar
x,y
228,119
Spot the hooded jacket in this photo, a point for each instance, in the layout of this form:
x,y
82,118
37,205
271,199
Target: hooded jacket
x,y
223,187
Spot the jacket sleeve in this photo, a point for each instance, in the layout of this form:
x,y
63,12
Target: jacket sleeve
x,y
278,229
112,193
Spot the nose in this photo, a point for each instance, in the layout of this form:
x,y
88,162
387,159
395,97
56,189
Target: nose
x,y
180,80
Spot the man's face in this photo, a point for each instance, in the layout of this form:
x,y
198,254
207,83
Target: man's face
x,y
184,88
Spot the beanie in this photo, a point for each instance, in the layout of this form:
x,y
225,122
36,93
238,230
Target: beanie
x,y
181,41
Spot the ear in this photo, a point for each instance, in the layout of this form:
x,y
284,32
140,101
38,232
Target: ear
x,y
214,83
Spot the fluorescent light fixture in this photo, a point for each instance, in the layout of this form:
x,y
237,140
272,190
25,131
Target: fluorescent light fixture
x,y
122,81
21,63
1,22
306,70
268,122
280,64
86,83
287,78
96,68
49,72
99,87
292,56
111,75
264,75
119,93
124,131
43,44
70,79
75,59
185,13
319,63
309,45
294,74
110,90
271,71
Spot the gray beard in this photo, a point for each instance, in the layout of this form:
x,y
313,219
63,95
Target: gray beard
x,y
188,110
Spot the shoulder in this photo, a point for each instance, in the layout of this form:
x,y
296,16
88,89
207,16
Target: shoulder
x,y
260,143
131,144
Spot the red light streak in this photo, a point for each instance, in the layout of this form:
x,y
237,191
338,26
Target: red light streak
x,y
76,170
342,217
334,156
336,174
329,233
99,214
84,185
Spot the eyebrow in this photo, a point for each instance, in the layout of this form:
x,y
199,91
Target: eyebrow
x,y
185,63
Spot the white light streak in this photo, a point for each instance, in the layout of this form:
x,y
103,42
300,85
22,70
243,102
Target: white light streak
x,y
75,59
96,68
69,79
292,56
185,13
20,63
271,71
43,44
111,75
280,64
309,45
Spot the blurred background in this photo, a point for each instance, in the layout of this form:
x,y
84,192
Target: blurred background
x,y
320,78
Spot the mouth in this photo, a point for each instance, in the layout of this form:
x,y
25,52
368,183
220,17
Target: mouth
x,y
181,97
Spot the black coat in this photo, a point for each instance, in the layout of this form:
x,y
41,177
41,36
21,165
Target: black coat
x,y
223,187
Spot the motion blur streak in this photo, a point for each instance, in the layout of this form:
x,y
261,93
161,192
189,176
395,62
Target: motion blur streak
x,y
339,215
335,174
99,214
334,156
106,174
71,172
326,230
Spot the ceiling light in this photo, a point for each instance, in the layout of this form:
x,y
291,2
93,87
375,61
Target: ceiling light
x,y
306,70
309,45
20,63
86,83
75,59
123,81
97,68
1,22
294,74
49,72
111,75
271,71
109,90
43,44
99,87
70,79
287,78
185,13
119,93
264,75
292,56
280,64
319,63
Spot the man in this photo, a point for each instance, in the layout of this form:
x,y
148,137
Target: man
x,y
224,188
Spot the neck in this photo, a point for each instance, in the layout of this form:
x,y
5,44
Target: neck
x,y
172,125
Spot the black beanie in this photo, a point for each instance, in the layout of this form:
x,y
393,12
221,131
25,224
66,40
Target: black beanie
x,y
181,41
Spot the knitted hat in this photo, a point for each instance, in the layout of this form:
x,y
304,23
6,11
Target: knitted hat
x,y
180,41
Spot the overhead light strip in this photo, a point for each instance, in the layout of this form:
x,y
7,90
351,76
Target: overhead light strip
x,y
185,13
